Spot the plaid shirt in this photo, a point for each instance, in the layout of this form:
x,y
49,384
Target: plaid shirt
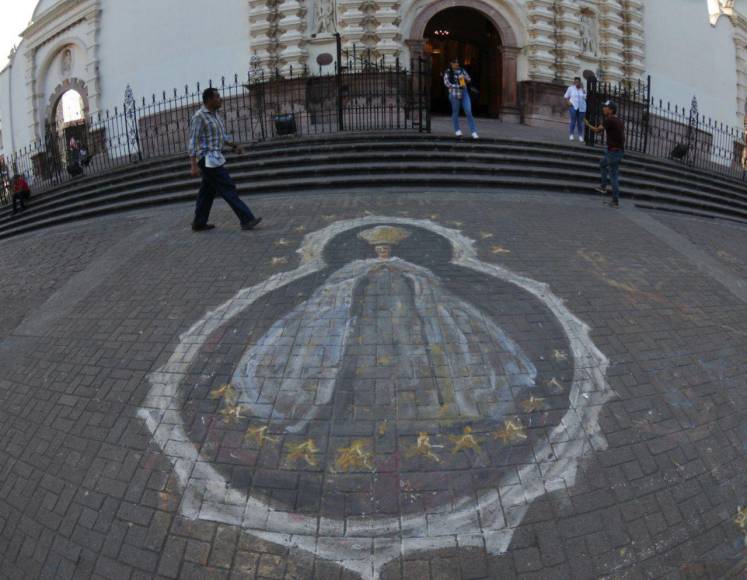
x,y
454,89
207,136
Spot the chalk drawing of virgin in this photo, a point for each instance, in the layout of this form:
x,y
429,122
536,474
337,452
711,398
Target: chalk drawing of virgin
x,y
391,354
394,306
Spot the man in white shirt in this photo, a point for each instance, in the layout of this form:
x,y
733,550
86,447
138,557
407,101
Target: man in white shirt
x,y
575,99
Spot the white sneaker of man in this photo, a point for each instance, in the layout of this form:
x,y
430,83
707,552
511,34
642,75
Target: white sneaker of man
x,y
571,139
580,139
475,136
458,133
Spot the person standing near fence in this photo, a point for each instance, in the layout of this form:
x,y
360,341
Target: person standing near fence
x,y
207,138
610,165
575,99
457,81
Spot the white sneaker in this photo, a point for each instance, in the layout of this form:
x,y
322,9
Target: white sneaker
x,y
458,133
475,136
571,139
580,139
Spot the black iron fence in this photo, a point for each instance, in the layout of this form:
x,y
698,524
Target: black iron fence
x,y
680,134
359,93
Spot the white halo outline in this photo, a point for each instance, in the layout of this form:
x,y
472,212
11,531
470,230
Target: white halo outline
x,y
366,546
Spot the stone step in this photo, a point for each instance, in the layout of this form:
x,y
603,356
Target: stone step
x,y
136,200
260,170
292,150
249,177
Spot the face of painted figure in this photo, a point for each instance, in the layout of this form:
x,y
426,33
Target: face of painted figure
x,y
383,252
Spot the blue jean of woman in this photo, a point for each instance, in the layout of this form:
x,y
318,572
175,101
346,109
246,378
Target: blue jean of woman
x,y
577,119
464,103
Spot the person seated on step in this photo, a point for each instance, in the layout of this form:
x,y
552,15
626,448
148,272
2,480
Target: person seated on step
x,y
21,193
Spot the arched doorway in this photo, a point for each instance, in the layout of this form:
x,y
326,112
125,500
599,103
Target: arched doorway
x,y
466,34
69,118
503,18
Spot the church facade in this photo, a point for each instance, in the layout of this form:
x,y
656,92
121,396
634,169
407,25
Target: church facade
x,y
520,52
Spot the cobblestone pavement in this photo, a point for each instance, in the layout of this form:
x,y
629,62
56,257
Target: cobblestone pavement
x,y
446,385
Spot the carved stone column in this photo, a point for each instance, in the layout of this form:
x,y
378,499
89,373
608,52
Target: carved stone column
x,y
388,31
542,46
569,39
292,35
740,45
350,18
612,46
635,39
263,29
509,86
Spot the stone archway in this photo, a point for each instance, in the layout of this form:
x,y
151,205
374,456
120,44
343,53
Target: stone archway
x,y
73,84
508,50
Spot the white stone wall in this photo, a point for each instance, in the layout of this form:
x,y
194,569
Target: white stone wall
x,y
157,45
692,58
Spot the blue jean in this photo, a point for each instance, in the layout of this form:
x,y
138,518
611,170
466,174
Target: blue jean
x,y
577,120
217,181
610,167
464,103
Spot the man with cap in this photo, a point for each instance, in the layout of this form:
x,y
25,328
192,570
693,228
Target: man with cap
x,y
610,165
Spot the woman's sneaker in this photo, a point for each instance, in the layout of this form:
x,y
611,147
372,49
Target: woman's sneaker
x,y
458,133
475,136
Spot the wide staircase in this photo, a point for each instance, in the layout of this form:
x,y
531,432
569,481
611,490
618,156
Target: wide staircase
x,y
392,162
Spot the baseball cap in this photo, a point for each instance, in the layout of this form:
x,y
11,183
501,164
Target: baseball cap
x,y
610,105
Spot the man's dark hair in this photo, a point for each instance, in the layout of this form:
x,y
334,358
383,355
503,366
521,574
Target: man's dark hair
x,y
576,79
611,105
208,93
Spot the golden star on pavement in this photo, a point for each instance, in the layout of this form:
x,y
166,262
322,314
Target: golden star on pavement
x,y
513,431
282,242
560,355
259,435
306,451
533,404
555,385
227,392
383,427
300,229
741,519
231,413
499,250
425,448
485,235
464,441
354,457
279,261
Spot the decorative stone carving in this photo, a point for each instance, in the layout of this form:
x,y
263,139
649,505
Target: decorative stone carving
x,y
67,62
388,32
589,34
719,8
325,21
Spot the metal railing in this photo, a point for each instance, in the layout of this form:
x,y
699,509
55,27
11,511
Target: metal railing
x,y
676,133
359,93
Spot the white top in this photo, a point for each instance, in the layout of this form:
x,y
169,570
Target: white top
x,y
577,97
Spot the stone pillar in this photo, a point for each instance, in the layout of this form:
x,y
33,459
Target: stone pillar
x,y
388,19
263,28
569,40
509,86
292,35
542,44
635,39
740,46
350,20
612,46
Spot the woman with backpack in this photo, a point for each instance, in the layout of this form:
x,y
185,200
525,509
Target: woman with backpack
x,y
457,81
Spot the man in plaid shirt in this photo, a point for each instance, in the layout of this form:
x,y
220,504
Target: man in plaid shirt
x,y
457,81
207,136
